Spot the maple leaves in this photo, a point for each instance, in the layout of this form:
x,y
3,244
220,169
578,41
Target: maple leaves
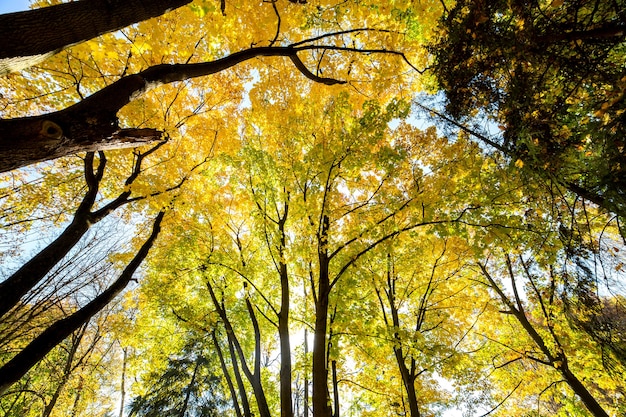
x,y
296,198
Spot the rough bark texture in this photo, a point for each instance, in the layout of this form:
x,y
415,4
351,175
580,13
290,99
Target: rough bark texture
x,y
16,368
31,36
92,124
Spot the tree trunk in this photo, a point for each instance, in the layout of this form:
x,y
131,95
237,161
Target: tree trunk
x,y
229,381
321,398
25,278
335,389
253,377
239,379
123,382
590,402
286,405
67,371
306,375
16,368
558,361
31,36
255,381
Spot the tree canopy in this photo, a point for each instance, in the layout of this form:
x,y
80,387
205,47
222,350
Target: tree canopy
x,y
313,208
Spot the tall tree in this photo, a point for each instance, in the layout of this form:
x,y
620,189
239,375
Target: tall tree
x,y
17,367
544,327
549,75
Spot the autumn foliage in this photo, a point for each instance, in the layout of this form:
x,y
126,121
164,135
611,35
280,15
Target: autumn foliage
x,y
313,208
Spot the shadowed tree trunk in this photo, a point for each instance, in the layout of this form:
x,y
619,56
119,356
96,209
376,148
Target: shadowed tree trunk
x,y
32,272
16,368
558,360
253,376
31,36
229,380
321,398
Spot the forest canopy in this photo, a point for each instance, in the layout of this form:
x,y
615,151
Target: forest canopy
x,y
313,208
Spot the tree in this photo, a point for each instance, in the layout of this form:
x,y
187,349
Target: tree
x,y
17,367
420,301
548,75
544,327
26,277
186,387
92,123
34,35
318,211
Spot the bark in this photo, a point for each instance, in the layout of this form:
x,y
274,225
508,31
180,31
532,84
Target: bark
x,y
229,381
408,375
239,379
286,405
613,32
306,375
590,402
25,278
335,389
67,371
16,368
557,361
123,382
92,124
321,398
255,381
31,36
254,377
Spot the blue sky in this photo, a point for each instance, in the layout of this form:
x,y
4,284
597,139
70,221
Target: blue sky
x,y
7,6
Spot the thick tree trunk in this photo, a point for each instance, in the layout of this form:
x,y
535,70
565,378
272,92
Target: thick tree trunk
x,y
92,124
31,36
408,380
321,397
16,368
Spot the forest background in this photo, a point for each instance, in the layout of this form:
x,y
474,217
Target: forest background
x,y
325,208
